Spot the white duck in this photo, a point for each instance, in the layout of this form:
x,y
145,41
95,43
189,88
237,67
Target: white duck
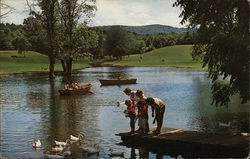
x,y
37,144
59,143
245,134
57,149
73,138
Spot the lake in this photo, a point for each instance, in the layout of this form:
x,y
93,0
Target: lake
x,y
31,108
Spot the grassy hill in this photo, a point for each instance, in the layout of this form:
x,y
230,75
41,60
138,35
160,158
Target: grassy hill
x,y
32,62
150,29
172,56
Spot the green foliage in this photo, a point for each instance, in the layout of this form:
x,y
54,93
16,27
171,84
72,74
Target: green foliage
x,y
5,40
98,51
70,13
36,34
119,42
154,41
22,44
8,33
222,43
84,39
48,18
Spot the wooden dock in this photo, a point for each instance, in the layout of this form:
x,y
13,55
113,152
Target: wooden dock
x,y
189,143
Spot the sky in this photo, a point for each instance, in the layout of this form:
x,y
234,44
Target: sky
x,y
116,12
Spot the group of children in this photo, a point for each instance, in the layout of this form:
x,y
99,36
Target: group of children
x,y
137,108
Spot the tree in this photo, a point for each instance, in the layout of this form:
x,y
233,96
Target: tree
x,y
222,44
6,39
71,11
118,42
36,34
22,44
84,39
97,51
49,19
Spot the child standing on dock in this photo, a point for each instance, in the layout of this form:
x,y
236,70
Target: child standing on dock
x,y
141,97
143,117
158,106
132,95
130,112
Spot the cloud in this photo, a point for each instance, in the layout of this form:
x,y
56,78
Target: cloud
x,y
117,12
140,12
19,12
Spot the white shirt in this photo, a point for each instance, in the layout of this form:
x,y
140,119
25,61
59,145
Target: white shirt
x,y
159,103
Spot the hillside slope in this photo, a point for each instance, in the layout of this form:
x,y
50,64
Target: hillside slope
x,y
12,62
171,56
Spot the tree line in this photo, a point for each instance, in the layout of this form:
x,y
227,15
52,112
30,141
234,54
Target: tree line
x,y
88,41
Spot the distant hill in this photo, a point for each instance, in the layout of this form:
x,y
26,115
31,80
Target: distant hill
x,y
150,29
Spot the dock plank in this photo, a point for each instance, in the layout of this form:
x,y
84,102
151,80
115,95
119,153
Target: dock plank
x,y
186,141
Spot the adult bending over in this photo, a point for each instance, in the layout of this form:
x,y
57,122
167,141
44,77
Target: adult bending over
x,y
158,107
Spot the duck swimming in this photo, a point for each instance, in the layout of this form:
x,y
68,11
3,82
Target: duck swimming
x,y
59,143
73,138
57,149
37,144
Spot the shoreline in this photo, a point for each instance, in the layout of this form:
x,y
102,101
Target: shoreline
x,y
74,71
177,56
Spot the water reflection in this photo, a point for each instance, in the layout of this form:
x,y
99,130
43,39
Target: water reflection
x,y
32,108
118,72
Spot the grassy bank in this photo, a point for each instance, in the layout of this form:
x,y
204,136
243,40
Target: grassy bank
x,y
12,62
172,56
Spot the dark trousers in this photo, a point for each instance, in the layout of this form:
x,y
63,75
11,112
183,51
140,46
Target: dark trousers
x,y
132,122
147,130
159,118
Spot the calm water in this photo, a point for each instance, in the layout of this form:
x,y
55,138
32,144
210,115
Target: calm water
x,y
31,108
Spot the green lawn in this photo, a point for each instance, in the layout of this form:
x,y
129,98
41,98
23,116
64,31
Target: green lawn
x,y
32,62
172,56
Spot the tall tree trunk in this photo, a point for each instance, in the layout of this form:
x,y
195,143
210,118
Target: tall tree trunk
x,y
50,21
69,66
51,67
63,66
